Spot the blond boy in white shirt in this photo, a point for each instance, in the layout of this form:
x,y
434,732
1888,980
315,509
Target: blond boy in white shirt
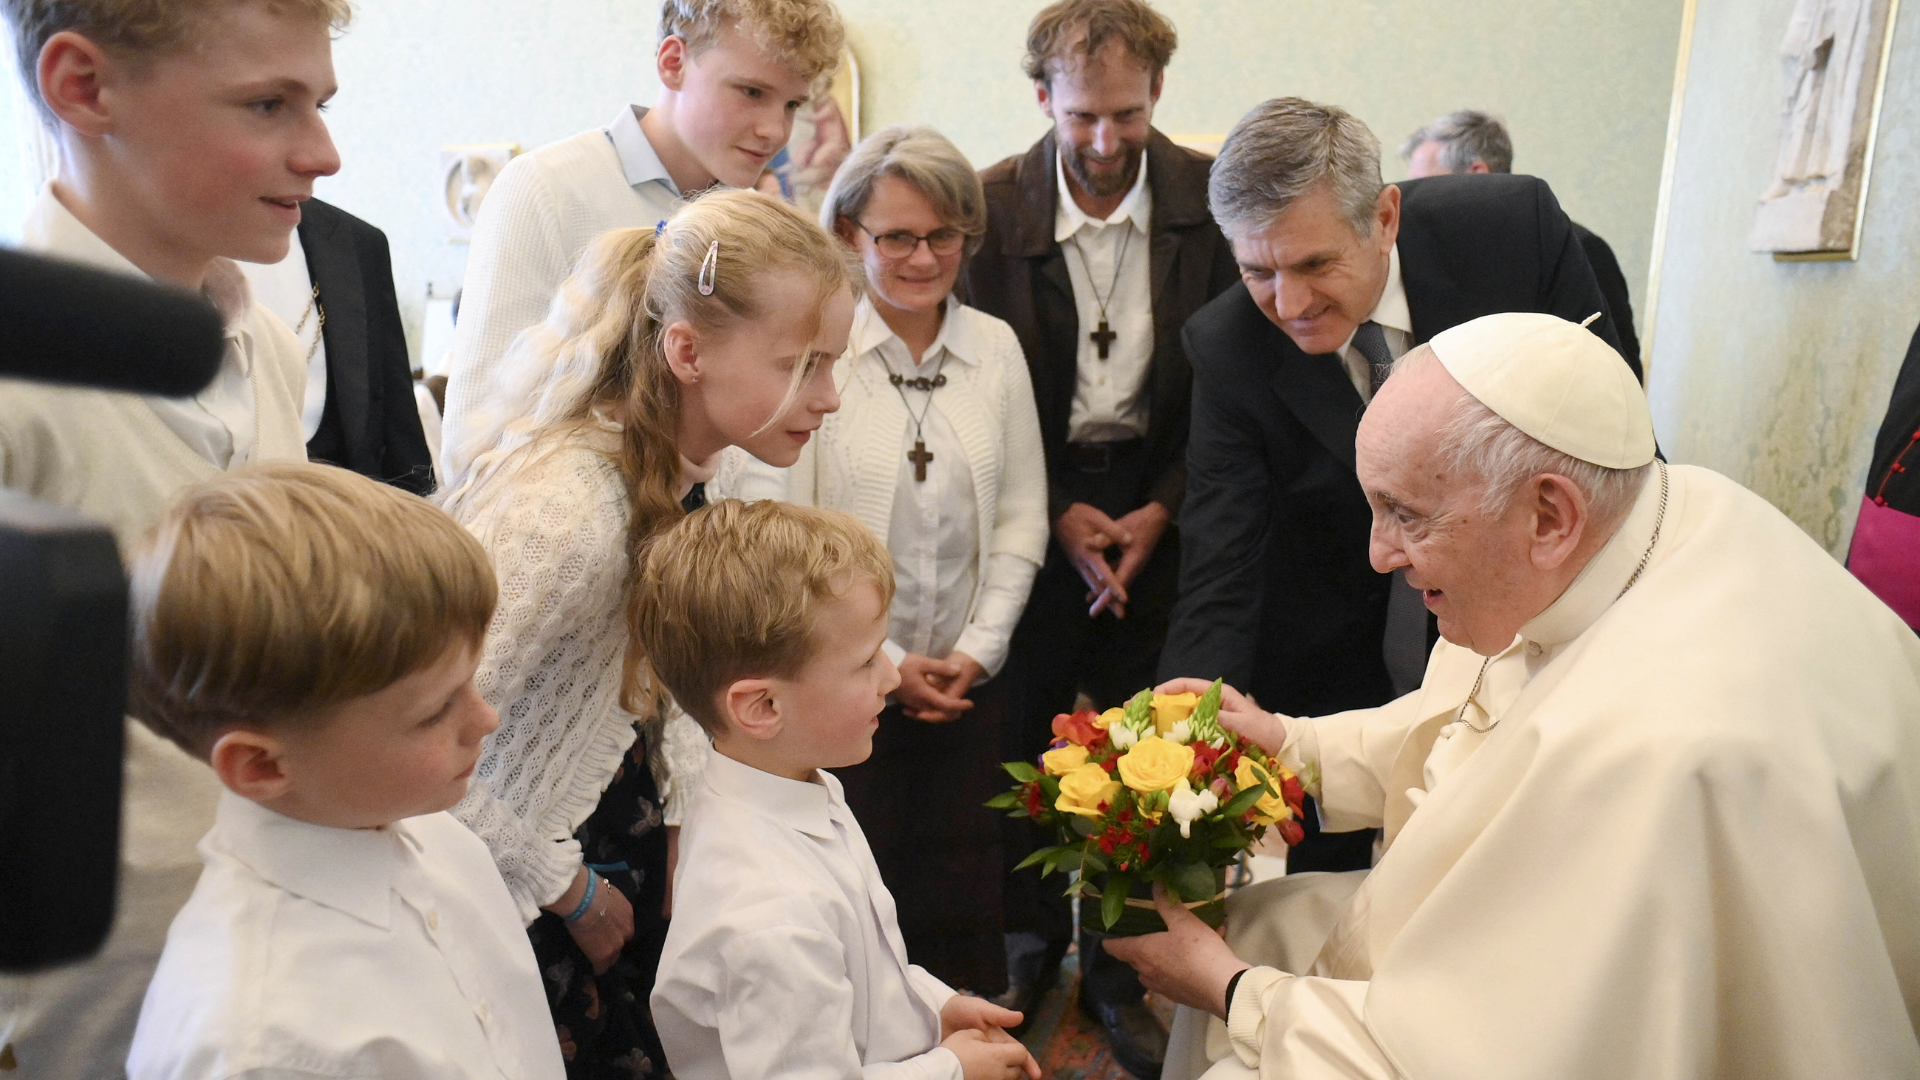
x,y
312,635
766,622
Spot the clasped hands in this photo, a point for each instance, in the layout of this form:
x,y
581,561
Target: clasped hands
x,y
1086,535
975,1029
932,690
1191,962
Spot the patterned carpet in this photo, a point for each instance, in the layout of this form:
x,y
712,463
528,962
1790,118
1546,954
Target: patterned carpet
x,y
1069,1046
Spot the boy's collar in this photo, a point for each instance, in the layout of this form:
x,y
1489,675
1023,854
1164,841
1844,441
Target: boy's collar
x,y
797,804
348,870
638,159
52,229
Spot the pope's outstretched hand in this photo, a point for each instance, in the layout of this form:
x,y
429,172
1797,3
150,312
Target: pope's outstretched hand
x,y
1189,963
1238,713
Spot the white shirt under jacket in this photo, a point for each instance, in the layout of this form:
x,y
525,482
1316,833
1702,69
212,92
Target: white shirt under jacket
x,y
1396,322
1687,846
309,951
966,541
1108,257
540,216
785,957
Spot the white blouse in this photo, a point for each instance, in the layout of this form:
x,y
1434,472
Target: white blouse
x,y
967,541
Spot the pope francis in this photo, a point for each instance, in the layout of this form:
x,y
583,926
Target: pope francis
x,y
1655,809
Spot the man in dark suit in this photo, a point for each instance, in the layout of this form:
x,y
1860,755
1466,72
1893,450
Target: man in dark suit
x,y
1469,141
370,423
1341,275
1098,247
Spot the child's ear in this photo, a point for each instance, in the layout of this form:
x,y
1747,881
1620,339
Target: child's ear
x,y
73,72
752,709
682,352
670,62
252,765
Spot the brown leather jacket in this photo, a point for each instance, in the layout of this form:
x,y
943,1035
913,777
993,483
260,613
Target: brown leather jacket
x,y
1020,275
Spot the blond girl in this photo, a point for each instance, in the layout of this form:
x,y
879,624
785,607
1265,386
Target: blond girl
x,y
670,344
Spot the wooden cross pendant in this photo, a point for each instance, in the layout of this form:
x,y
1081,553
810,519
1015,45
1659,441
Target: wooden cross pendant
x,y
1103,337
919,456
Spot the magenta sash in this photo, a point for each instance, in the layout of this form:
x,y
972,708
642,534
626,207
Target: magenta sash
x,y
1886,557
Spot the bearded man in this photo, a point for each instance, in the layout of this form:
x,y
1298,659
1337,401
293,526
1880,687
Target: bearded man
x,y
1654,810
1099,246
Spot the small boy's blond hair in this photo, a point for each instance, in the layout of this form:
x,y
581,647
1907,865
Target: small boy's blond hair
x,y
271,594
806,34
733,592
136,30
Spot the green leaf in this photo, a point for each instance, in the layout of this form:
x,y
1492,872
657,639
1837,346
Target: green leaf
x,y
1139,714
1113,899
1007,800
1040,855
1092,862
1244,801
1021,771
1193,881
1069,861
1049,790
1086,826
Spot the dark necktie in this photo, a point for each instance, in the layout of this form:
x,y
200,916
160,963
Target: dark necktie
x,y
1370,339
695,499
1403,645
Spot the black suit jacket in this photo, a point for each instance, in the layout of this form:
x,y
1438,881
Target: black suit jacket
x,y
371,424
1276,592
1613,286
1900,489
1020,275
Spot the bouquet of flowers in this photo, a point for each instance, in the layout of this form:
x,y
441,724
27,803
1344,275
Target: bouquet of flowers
x,y
1154,791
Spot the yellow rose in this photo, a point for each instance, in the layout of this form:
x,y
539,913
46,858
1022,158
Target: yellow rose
x,y
1270,808
1109,718
1084,789
1154,764
1170,709
1062,760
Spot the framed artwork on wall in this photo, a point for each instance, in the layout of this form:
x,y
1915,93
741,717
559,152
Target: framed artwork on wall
x,y
1834,67
825,130
467,173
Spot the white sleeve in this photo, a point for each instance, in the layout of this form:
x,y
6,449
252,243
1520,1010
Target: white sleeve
x,y
684,747
514,266
1344,760
1003,595
558,548
762,1035
1304,1028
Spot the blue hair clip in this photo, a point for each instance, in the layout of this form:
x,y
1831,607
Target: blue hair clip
x,y
660,228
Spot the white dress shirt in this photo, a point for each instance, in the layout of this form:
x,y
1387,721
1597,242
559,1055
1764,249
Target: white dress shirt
x,y
286,289
1110,396
784,957
1391,312
309,951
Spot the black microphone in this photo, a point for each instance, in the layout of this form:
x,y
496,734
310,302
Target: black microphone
x,y
61,322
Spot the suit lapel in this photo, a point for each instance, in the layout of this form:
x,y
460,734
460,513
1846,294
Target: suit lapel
x,y
1317,391
335,268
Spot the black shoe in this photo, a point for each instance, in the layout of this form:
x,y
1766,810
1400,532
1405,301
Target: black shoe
x,y
1134,1034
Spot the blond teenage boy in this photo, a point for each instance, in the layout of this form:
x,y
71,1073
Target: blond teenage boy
x,y
312,634
189,132
732,75
766,622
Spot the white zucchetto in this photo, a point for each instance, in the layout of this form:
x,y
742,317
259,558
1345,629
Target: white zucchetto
x,y
1555,380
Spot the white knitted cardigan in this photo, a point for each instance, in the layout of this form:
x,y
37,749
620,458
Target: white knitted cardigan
x,y
556,529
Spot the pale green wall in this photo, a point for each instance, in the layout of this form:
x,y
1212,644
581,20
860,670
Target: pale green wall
x,y
1584,83
1777,374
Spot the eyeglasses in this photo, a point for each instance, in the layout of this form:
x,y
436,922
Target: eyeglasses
x,y
901,245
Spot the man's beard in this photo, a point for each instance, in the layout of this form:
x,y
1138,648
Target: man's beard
x,y
1104,186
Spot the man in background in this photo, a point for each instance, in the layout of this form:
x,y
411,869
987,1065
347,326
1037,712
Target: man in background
x,y
1470,141
1098,247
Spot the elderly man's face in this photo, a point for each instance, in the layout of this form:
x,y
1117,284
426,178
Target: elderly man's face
x,y
1101,109
1475,572
1313,274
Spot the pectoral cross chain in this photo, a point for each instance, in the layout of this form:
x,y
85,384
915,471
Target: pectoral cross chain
x,y
1103,337
919,456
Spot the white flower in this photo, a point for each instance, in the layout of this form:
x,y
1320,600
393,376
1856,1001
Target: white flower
x,y
1187,805
1122,736
1181,734
1219,743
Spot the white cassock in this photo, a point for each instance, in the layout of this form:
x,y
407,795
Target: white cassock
x,y
1687,843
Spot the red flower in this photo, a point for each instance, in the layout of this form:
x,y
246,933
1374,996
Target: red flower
x,y
1033,799
1204,757
1106,843
1124,816
1077,728
1291,831
1111,764
1291,791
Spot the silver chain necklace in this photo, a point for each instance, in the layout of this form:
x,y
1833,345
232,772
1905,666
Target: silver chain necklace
x,y
1659,518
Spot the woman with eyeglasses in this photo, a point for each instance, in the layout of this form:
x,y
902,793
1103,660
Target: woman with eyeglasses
x,y
937,448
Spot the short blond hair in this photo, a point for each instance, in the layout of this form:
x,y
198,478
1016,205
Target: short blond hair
x,y
804,34
271,594
733,592
132,29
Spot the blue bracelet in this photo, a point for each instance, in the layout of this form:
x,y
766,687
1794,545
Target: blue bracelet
x,y
586,900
